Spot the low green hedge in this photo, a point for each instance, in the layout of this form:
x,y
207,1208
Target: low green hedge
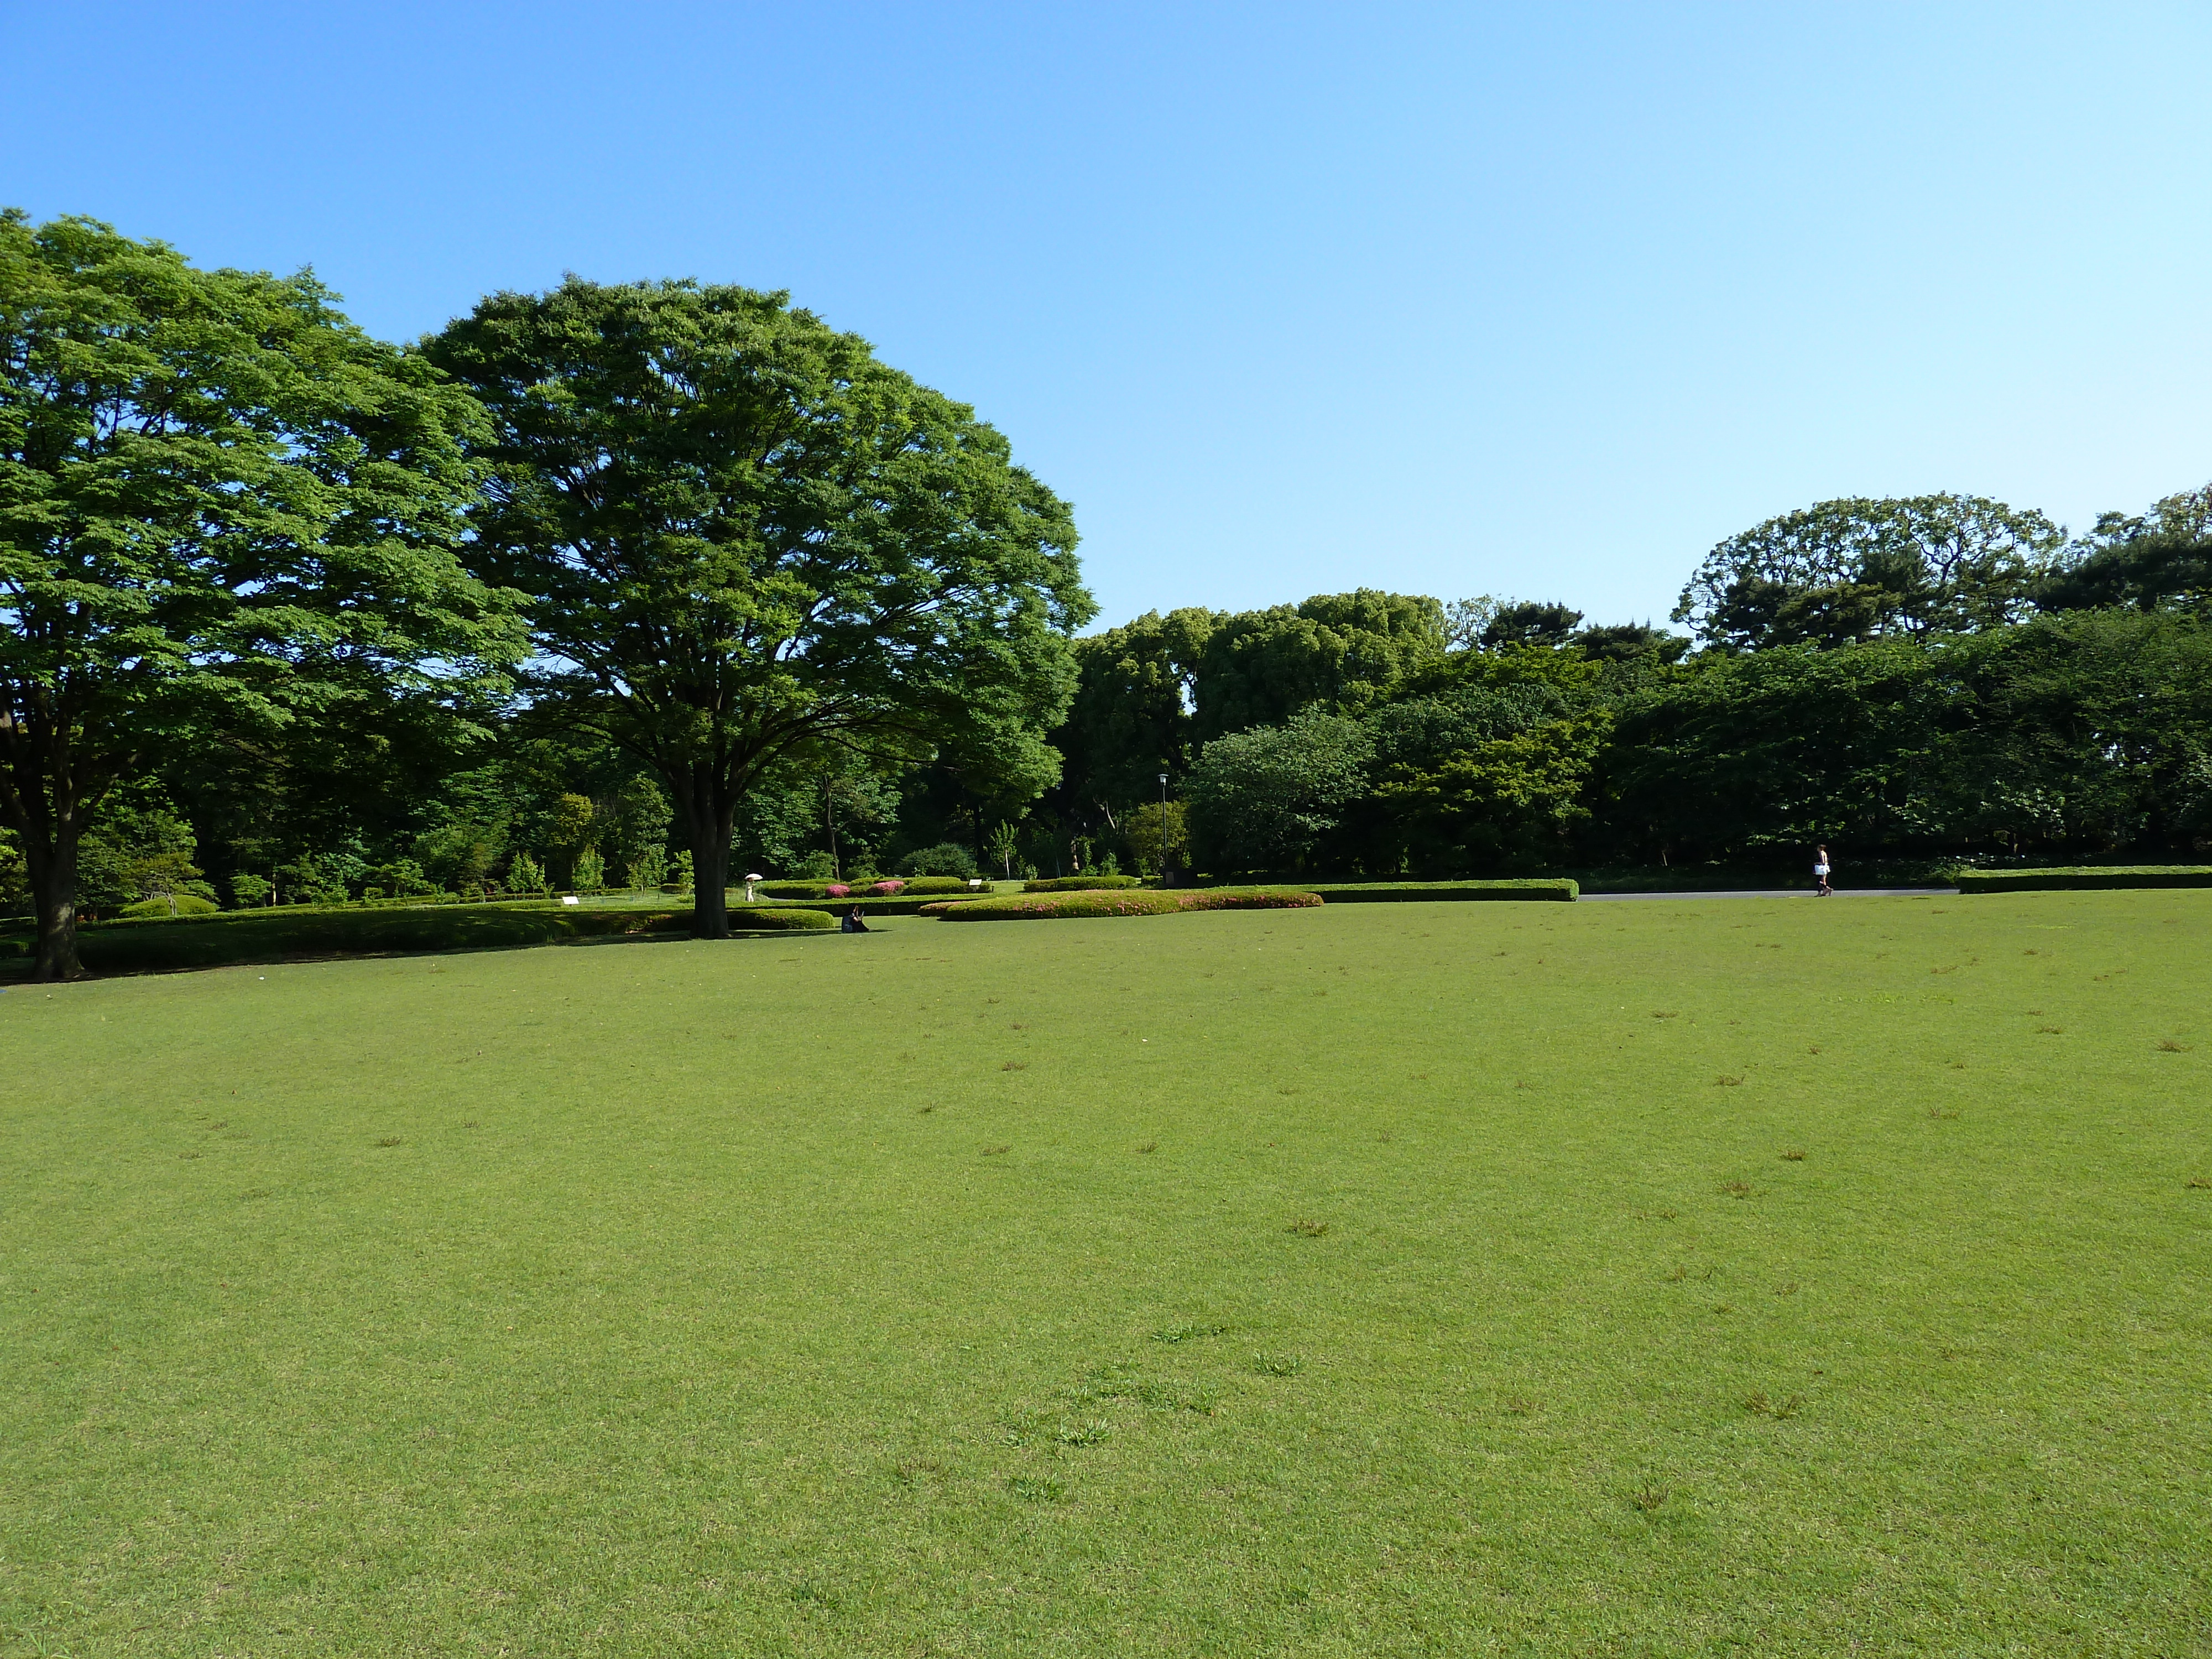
x,y
1555,889
275,935
909,887
2084,877
1079,884
902,906
1120,902
185,904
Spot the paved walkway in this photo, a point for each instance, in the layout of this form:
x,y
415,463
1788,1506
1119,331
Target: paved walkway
x,y
1789,892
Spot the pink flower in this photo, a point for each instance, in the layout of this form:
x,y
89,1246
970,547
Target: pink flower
x,y
837,889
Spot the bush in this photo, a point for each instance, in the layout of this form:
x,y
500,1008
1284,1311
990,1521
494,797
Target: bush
x,y
185,904
1079,884
947,858
922,884
1055,907
2084,878
777,919
1559,888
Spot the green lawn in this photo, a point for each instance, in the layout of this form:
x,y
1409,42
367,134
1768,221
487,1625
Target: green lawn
x,y
1374,1280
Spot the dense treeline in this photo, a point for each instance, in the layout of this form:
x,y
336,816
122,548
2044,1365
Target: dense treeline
x,y
647,584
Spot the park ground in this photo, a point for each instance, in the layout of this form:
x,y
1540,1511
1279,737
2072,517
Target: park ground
x,y
1776,1277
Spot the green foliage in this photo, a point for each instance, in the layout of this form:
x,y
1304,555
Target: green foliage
x,y
1336,653
2149,560
876,576
1064,906
220,505
1002,844
1156,831
1132,716
1508,803
945,858
2084,878
918,884
649,868
1846,570
591,871
1558,890
176,905
1264,799
1078,884
524,875
248,889
1530,622
771,919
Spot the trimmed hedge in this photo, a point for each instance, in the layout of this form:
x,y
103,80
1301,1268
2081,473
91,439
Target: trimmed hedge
x,y
902,887
185,904
901,906
277,935
1080,884
1059,906
2084,878
1554,888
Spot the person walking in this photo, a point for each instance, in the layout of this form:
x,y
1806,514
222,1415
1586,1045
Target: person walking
x,y
1820,874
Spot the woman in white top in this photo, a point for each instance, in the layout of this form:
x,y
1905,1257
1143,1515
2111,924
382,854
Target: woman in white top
x,y
1821,873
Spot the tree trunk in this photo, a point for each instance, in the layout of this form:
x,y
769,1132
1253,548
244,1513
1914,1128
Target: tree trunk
x,y
53,889
709,837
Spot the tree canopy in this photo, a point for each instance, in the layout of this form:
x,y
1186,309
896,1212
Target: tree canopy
x,y
747,542
1851,569
223,508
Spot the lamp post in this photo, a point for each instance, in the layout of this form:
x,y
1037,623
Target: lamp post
x,y
1164,882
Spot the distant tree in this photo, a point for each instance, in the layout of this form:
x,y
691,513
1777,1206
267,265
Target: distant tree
x,y
1266,799
1002,843
1530,622
1465,620
523,874
221,506
947,858
747,543
1133,714
1628,642
1850,570
2156,559
1335,653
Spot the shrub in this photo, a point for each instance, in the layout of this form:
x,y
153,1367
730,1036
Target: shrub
x,y
524,875
837,889
1078,884
1054,907
183,904
890,889
922,884
2086,878
777,919
1559,888
248,889
791,888
945,858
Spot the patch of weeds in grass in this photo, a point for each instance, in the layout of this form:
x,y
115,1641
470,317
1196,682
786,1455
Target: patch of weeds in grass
x,y
993,1152
1723,1307
2049,1030
1308,1228
1793,1156
1278,1364
916,1470
390,1140
1664,1013
188,1156
1035,1488
1015,1066
808,1594
1736,1189
2200,1183
1188,1333
1096,1432
1781,1411
1519,1405
1790,1289
1939,1112
1150,1146
924,1111
2168,1046
1727,1082
1648,1496
1655,1215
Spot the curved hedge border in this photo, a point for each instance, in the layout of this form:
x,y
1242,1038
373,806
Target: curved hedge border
x,y
1079,884
1058,907
1558,889
2084,878
900,886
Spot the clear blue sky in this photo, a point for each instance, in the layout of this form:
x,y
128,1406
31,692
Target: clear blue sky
x,y
1530,300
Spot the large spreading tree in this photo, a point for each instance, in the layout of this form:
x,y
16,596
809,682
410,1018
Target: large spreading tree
x,y
749,545
222,508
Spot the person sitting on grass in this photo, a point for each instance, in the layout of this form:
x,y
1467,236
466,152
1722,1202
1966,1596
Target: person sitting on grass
x,y
852,923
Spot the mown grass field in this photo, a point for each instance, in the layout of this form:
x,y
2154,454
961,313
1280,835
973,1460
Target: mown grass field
x,y
1374,1280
